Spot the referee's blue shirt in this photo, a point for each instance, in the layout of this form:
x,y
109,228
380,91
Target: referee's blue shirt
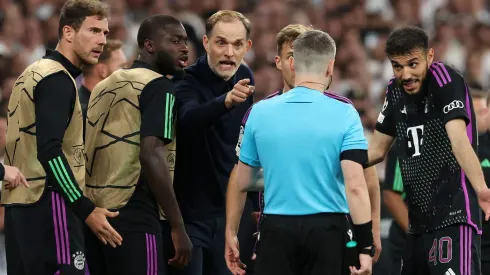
x,y
297,138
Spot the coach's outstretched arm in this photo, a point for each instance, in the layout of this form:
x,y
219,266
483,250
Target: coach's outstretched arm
x,y
194,116
53,99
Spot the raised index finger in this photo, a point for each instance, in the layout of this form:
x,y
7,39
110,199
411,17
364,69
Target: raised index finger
x,y
244,81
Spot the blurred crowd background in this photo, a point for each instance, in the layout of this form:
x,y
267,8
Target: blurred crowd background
x,y
459,32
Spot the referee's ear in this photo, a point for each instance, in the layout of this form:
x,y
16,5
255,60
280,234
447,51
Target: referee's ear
x,y
330,68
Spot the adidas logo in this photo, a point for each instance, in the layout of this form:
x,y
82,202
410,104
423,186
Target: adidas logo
x,y
485,163
450,272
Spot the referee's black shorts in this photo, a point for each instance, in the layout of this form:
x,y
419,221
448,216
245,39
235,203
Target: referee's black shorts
x,y
310,244
44,238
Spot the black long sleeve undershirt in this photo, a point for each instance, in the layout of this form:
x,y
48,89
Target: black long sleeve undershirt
x,y
54,100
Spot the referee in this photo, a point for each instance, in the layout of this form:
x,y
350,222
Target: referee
x,y
313,170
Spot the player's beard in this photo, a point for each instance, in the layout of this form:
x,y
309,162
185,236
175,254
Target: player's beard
x,y
165,64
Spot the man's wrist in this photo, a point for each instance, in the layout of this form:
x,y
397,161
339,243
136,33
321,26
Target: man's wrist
x,y
480,187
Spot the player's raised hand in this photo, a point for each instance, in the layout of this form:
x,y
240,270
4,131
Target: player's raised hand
x,y
13,178
484,201
241,91
232,254
366,266
97,221
183,248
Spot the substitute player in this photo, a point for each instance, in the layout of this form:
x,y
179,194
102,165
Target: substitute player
x,y
305,207
44,139
428,110
285,39
129,123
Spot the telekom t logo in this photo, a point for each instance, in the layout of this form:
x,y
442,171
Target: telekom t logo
x,y
415,139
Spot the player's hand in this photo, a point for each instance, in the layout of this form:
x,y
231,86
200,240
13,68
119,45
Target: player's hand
x,y
366,263
13,178
97,221
182,246
241,91
484,201
232,254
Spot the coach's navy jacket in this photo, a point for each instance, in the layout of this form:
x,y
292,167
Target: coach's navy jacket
x,y
207,134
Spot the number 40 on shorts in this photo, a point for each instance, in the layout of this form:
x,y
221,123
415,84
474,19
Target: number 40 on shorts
x,y
441,251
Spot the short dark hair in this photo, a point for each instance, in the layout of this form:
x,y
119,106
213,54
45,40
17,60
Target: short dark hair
x,y
406,39
228,16
151,25
74,12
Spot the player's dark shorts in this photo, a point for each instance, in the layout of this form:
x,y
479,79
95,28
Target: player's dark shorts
x,y
448,251
310,244
140,253
44,238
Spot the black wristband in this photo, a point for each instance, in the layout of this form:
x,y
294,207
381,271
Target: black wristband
x,y
364,235
82,207
2,171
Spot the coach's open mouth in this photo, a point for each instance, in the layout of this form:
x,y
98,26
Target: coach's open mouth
x,y
227,64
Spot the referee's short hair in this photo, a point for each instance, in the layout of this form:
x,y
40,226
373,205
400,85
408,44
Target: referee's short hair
x,y
313,50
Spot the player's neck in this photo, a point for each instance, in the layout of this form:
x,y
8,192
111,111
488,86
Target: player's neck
x,y
310,81
90,81
286,87
143,56
69,54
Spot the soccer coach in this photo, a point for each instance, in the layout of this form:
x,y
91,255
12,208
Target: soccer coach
x,y
212,100
313,170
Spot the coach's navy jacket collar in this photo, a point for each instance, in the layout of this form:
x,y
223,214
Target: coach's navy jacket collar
x,y
57,56
205,75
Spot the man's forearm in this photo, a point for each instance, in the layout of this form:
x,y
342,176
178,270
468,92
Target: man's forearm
x,y
235,202
374,196
197,117
467,159
156,171
397,208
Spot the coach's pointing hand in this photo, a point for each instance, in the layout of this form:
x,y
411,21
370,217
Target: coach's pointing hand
x,y
97,221
241,91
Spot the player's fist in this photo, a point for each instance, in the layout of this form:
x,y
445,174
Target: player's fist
x,y
241,91
13,178
366,263
183,248
97,221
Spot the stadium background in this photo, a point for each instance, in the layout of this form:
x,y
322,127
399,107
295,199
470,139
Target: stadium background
x,y
459,32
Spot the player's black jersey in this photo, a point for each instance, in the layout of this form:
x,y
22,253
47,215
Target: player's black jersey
x,y
438,192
